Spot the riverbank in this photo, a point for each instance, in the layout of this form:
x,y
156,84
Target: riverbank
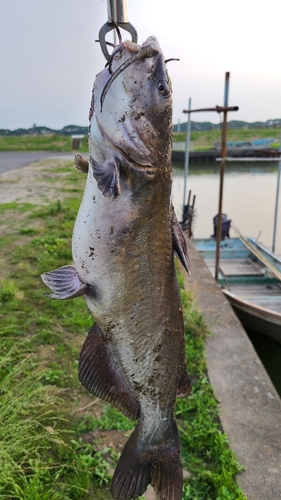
x,y
212,155
200,141
204,140
250,408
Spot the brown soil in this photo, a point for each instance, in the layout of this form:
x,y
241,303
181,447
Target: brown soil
x,y
34,183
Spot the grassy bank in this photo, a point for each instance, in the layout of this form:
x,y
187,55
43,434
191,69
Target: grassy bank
x,y
201,141
39,143
57,442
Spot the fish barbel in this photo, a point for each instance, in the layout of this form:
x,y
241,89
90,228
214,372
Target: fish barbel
x,y
124,240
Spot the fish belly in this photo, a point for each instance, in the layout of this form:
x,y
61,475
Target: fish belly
x,y
135,298
126,256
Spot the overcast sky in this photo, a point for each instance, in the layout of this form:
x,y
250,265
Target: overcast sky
x,y
49,58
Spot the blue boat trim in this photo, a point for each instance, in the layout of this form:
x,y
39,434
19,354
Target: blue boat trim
x,y
247,282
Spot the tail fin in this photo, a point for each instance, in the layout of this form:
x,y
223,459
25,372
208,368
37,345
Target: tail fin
x,y
143,463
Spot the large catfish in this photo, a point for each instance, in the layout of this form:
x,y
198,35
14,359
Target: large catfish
x,y
124,241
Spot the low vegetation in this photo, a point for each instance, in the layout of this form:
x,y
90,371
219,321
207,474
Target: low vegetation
x,y
50,142
205,140
200,141
57,442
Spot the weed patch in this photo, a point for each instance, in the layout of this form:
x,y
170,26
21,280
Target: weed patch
x,y
205,140
50,142
57,442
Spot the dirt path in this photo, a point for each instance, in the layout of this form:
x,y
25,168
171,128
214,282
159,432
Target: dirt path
x,y
15,160
37,183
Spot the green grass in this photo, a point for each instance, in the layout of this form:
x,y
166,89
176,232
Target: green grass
x,y
51,142
205,140
205,450
48,449
200,140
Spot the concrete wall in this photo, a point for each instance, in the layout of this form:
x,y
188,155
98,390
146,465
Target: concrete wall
x,y
250,408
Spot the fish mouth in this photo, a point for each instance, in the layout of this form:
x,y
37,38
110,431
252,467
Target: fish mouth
x,y
147,50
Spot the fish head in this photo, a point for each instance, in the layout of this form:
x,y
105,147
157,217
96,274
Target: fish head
x,y
131,108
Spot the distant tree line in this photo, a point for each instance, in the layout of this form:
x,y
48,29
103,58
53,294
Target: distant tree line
x,y
68,130
232,125
195,127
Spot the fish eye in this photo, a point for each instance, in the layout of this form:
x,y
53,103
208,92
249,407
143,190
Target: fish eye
x,y
163,88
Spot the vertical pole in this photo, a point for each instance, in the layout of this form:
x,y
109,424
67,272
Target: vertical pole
x,y
190,233
276,201
222,169
117,11
186,158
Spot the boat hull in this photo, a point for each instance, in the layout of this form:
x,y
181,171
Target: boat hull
x,y
250,280
256,318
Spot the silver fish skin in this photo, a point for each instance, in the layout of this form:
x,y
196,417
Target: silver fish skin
x,y
124,240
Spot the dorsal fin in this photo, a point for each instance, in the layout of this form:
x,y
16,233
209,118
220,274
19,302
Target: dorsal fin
x,y
179,242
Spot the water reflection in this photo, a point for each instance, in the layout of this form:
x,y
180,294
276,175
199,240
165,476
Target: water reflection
x,y
248,199
269,353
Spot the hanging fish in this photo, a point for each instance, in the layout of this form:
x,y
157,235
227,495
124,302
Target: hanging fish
x,y
124,239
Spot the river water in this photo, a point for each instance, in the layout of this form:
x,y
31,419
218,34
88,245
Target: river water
x,y
249,201
248,198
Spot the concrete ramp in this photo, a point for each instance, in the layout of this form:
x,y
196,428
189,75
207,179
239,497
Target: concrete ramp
x,y
250,408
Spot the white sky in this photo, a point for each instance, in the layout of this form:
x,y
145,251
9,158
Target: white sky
x,y
48,57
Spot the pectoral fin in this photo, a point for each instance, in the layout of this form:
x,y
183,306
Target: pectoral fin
x,y
99,374
107,177
81,164
179,243
64,283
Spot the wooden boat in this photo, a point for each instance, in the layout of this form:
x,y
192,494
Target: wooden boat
x,y
254,144
250,278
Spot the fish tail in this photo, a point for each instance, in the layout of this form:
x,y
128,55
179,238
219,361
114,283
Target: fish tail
x,y
143,463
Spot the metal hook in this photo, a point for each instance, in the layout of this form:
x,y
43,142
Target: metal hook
x,y
117,15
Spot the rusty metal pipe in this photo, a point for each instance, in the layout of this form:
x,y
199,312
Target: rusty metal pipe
x,y
222,169
219,109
